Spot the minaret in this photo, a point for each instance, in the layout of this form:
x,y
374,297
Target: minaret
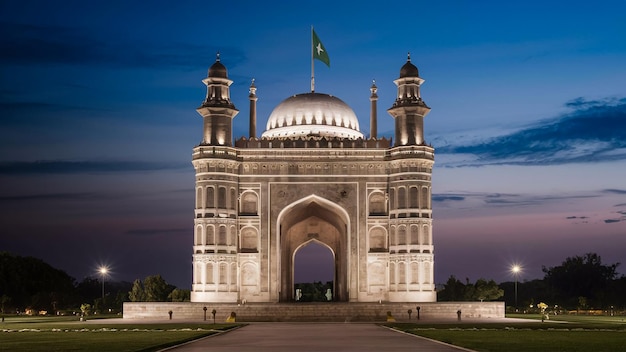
x,y
253,98
373,110
217,110
409,109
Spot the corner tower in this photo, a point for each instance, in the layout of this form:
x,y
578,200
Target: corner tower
x,y
215,247
411,160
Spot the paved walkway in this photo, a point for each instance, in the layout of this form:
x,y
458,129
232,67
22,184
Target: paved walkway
x,y
305,337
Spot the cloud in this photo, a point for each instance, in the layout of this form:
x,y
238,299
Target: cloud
x,y
76,167
34,44
577,217
158,231
610,221
505,199
50,196
615,191
447,197
593,131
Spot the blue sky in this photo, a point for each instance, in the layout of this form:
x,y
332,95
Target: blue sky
x,y
97,121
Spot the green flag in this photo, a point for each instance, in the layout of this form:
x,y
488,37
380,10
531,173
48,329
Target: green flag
x,y
319,52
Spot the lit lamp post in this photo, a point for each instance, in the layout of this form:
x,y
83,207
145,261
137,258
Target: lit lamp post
x,y
103,271
515,270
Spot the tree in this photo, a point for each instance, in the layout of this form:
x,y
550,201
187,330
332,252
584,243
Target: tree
x,y
4,300
85,309
33,283
180,295
453,290
156,289
89,289
580,277
484,290
152,289
136,293
528,292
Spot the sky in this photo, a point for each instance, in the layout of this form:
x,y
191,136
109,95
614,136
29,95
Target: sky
x,y
98,121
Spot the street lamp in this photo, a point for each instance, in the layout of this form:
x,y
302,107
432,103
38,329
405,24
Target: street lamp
x,y
103,271
515,270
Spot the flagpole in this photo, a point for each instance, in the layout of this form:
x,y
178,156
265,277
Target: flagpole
x,y
312,64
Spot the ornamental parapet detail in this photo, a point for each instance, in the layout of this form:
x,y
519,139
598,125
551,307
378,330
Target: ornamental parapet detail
x,y
313,142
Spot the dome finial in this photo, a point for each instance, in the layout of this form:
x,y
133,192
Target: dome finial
x,y
218,69
408,56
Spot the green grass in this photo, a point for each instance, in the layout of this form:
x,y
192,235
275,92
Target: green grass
x,y
66,334
561,333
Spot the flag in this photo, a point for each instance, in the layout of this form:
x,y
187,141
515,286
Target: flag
x,y
319,52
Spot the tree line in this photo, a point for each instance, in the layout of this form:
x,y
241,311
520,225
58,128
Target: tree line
x,y
580,282
30,284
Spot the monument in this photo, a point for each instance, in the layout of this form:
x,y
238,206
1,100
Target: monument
x,y
313,177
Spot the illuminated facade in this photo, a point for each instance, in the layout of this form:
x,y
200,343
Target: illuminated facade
x,y
313,177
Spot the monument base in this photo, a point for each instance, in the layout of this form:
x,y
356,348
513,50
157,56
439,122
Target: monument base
x,y
322,312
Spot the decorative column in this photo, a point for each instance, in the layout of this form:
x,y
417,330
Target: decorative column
x,y
373,110
253,98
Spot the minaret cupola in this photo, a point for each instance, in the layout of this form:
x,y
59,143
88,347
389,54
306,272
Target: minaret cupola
x,y
217,110
409,109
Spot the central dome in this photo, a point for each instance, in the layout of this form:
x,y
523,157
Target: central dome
x,y
312,114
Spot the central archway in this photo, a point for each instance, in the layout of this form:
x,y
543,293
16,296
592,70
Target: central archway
x,y
313,218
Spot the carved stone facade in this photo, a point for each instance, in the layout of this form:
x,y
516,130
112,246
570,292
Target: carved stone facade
x,y
261,200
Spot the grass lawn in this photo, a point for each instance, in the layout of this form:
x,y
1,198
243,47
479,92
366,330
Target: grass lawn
x,y
66,334
565,333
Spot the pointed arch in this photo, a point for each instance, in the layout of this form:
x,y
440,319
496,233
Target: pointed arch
x,y
378,239
402,235
377,204
249,274
413,198
313,217
232,238
401,273
198,236
414,273
198,197
249,240
233,198
208,274
424,204
249,203
425,235
210,197
221,235
209,235
221,197
401,198
415,233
